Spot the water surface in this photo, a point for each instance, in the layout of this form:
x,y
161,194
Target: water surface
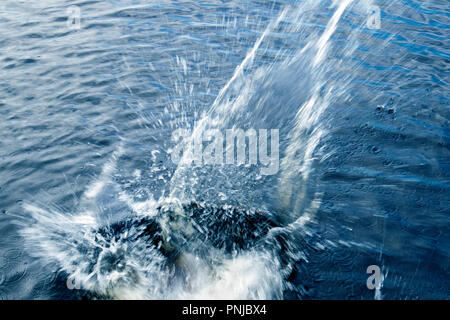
x,y
87,117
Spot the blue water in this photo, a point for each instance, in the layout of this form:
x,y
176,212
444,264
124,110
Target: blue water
x,y
87,116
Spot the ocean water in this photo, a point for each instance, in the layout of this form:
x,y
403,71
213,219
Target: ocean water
x,y
92,204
